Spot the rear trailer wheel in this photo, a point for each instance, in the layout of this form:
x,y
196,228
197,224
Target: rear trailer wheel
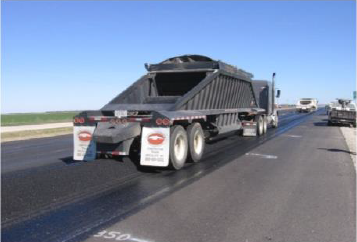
x,y
265,126
260,124
196,142
178,147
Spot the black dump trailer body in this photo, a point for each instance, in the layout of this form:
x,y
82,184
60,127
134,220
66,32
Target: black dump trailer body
x,y
188,83
179,91
264,94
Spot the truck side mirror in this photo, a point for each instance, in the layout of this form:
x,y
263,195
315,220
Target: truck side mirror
x,y
277,93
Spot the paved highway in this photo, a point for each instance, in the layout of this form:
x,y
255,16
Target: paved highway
x,y
297,183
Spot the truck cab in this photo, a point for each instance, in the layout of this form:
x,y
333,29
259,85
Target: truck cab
x,y
306,105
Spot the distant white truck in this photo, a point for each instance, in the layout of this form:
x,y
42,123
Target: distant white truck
x,y
306,105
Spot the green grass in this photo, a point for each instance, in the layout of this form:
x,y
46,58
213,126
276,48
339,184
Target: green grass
x,y
36,118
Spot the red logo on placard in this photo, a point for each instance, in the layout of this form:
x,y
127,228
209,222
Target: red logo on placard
x,y
84,136
156,139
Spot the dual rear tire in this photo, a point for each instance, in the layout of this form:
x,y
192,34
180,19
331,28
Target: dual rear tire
x,y
186,145
262,125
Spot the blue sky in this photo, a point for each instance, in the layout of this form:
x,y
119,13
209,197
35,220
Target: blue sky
x,y
78,55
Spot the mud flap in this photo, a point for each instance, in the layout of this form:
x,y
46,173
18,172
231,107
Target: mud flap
x,y
249,130
84,145
155,146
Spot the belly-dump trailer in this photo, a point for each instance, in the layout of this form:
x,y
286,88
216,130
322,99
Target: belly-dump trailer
x,y
169,113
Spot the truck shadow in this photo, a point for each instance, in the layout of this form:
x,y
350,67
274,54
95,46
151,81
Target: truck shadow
x,y
69,160
320,123
338,150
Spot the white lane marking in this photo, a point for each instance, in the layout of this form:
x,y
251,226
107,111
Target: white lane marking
x,y
292,135
262,155
139,240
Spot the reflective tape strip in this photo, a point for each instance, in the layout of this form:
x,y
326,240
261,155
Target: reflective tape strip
x,y
189,117
249,123
139,120
98,118
111,153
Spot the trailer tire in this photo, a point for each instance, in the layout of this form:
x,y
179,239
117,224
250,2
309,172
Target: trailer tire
x,y
196,142
260,126
265,126
178,147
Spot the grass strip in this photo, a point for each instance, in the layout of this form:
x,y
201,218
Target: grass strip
x,y
36,118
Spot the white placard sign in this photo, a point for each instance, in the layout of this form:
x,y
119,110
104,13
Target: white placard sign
x,y
155,146
120,113
84,146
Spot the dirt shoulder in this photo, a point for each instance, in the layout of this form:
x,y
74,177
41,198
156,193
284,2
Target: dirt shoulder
x,y
350,136
18,128
33,134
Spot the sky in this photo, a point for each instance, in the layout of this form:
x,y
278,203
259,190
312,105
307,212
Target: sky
x,y
62,55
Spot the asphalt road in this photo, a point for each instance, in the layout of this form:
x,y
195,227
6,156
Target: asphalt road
x,y
297,183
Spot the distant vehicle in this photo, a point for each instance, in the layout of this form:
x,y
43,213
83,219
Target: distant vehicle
x,y
329,107
306,105
167,115
342,112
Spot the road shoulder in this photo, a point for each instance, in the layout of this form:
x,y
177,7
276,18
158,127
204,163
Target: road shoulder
x,y
25,132
350,137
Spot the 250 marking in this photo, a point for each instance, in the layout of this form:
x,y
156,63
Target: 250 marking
x,y
114,235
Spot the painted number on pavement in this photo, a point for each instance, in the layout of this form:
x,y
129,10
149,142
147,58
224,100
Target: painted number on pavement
x,y
113,235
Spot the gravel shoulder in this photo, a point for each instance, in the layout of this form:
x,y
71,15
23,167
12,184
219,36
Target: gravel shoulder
x,y
350,136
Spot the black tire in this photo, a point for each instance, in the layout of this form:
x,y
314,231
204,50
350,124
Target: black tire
x,y
265,126
329,123
260,124
275,122
196,142
178,147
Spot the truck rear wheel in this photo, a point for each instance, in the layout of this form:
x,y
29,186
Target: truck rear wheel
x,y
196,142
265,126
260,126
275,122
178,147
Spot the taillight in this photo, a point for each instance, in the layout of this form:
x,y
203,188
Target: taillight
x,y
79,120
158,121
166,121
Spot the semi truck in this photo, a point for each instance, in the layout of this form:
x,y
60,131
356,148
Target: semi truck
x,y
306,105
168,115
